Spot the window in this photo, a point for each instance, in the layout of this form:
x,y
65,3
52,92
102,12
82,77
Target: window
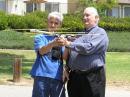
x,y
115,12
52,6
2,5
30,7
126,11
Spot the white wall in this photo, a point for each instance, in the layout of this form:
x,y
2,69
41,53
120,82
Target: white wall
x,y
19,7
16,7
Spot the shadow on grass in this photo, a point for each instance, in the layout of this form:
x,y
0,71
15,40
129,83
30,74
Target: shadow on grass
x,y
6,65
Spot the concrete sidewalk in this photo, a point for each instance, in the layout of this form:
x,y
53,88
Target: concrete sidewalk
x,y
26,91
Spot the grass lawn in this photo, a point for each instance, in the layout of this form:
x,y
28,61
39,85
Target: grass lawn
x,y
118,65
7,60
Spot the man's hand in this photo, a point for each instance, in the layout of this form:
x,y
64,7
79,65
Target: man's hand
x,y
67,43
61,41
58,41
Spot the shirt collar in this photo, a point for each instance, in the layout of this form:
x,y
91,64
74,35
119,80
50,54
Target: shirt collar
x,y
89,29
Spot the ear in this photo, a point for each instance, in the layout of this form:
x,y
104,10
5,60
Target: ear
x,y
96,17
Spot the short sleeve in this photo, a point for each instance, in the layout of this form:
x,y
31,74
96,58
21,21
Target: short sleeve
x,y
38,42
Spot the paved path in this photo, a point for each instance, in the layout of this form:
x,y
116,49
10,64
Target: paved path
x,y
25,91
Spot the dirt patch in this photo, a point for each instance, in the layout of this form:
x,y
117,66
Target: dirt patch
x,y
29,82
120,85
23,82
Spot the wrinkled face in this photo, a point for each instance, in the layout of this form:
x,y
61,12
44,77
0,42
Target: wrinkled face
x,y
53,24
89,19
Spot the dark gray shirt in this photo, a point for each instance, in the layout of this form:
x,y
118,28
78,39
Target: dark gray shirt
x,y
89,50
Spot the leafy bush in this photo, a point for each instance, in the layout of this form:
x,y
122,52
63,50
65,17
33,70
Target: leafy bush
x,y
16,22
115,24
36,19
72,24
3,21
39,14
33,21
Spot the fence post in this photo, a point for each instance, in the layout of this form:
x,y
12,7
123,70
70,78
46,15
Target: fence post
x,y
17,69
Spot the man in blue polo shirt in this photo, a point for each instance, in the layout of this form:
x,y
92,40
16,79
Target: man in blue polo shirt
x,y
48,67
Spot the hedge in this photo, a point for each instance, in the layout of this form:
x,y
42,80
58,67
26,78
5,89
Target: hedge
x,y
72,22
3,21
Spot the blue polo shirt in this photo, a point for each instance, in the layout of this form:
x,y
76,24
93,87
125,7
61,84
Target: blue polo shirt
x,y
44,65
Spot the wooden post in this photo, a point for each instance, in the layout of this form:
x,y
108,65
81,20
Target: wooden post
x,y
17,69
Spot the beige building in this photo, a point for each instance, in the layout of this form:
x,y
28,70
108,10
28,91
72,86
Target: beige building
x,y
72,5
20,7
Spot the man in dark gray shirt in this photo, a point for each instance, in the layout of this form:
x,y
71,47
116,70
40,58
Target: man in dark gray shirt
x,y
86,59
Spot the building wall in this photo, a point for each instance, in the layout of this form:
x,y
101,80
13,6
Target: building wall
x,y
16,7
72,5
65,6
19,6
124,1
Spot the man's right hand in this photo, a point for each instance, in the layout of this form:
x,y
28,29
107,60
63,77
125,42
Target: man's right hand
x,y
58,41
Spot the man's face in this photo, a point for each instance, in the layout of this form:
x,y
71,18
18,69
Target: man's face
x,y
89,19
53,24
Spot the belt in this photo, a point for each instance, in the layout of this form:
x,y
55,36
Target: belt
x,y
86,71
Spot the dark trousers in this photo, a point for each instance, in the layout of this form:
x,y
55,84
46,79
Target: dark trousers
x,y
47,87
91,84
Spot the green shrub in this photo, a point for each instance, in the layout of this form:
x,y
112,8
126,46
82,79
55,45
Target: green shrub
x,y
72,24
16,22
36,19
40,14
3,21
33,21
115,24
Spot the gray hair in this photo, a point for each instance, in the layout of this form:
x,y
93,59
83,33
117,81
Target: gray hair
x,y
57,15
93,10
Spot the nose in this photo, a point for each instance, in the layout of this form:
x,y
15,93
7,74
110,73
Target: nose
x,y
53,25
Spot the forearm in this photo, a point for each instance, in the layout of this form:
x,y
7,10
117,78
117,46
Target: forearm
x,y
65,54
45,49
87,47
